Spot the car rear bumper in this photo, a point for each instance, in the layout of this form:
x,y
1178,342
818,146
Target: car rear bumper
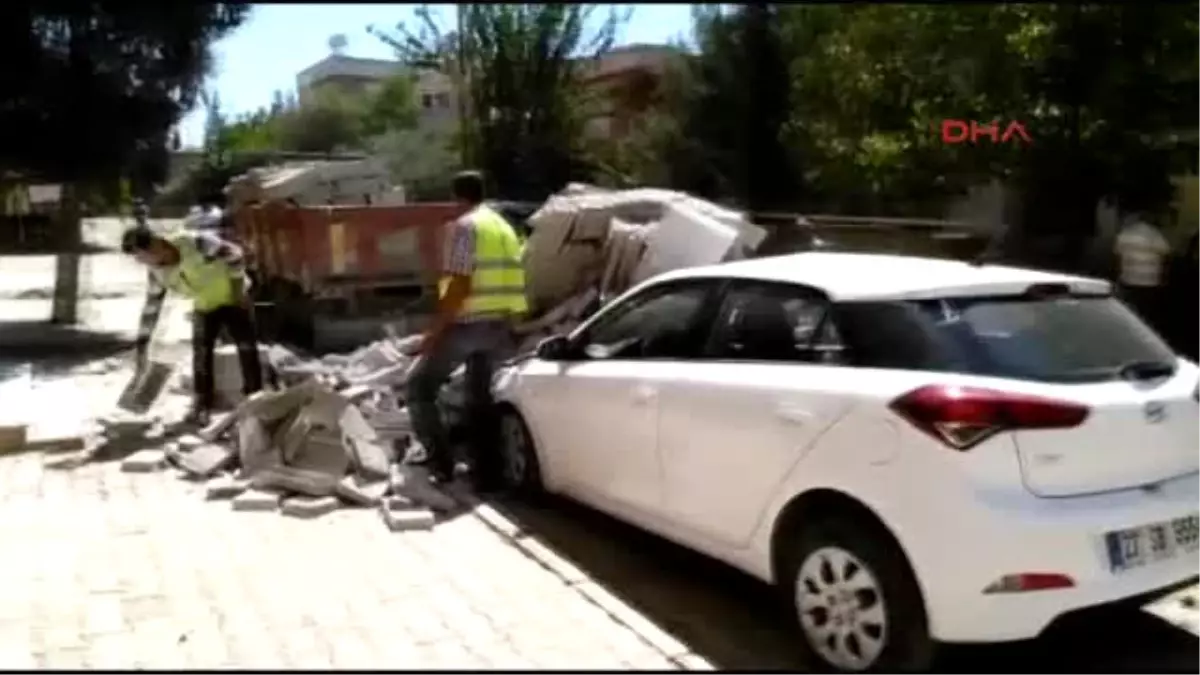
x,y
993,537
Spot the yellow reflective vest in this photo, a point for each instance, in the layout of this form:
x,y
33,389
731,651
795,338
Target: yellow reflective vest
x,y
498,282
209,283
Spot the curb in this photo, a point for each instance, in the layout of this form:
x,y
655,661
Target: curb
x,y
574,577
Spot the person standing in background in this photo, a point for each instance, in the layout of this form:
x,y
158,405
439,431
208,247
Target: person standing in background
x,y
1141,252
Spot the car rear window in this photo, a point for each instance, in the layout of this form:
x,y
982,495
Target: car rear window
x,y
1056,339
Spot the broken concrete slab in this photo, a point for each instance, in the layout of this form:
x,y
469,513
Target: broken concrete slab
x,y
271,406
145,387
257,500
125,427
205,460
322,452
370,458
188,442
362,492
225,487
144,461
354,424
255,450
292,479
408,519
218,426
309,507
398,503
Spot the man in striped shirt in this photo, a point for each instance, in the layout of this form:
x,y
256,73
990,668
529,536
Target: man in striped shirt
x,y
210,271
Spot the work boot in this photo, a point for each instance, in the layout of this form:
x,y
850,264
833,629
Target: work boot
x,y
198,416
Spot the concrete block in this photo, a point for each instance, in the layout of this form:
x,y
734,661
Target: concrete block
x,y
371,459
255,450
218,426
357,490
291,479
414,483
145,387
354,424
206,460
225,487
356,393
144,461
323,452
309,507
12,438
125,427
398,503
257,500
408,519
189,442
271,406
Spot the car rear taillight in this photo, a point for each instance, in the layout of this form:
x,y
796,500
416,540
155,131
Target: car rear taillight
x,y
962,417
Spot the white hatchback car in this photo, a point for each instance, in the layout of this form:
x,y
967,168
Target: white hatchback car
x,y
912,450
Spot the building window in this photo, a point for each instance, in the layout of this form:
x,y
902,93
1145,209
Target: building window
x,y
443,100
426,101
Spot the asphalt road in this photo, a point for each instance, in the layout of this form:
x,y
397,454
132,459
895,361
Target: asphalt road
x,y
734,621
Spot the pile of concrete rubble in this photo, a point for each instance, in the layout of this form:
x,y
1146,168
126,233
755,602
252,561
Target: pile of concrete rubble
x,y
335,434
588,245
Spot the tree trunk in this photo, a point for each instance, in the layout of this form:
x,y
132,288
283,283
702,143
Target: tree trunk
x,y
65,308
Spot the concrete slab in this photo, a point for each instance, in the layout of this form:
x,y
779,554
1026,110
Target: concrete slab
x,y
257,500
208,459
361,492
309,507
408,519
145,461
218,426
255,450
225,487
292,479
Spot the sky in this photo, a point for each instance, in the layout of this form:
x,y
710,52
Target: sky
x,y
278,41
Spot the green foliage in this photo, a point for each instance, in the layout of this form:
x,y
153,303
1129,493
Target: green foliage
x,y
92,90
520,67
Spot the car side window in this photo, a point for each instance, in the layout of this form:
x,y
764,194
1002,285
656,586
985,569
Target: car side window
x,y
658,323
774,322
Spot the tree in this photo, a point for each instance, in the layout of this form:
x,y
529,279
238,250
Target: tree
x,y
91,94
518,73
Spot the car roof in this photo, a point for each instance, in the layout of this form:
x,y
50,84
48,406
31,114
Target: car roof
x,y
869,276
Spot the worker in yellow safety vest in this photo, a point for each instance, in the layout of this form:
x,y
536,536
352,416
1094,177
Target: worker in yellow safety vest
x,y
209,271
480,294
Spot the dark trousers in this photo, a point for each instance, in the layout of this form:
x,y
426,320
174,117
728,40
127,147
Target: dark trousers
x,y
206,327
478,345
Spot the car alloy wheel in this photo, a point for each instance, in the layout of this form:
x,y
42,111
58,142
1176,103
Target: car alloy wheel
x,y
514,451
840,603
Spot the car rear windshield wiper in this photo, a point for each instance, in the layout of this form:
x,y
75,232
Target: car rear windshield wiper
x,y
1146,370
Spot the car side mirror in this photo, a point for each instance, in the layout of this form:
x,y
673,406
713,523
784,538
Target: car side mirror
x,y
554,348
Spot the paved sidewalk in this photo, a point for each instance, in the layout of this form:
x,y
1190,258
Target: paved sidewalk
x,y
111,570
104,569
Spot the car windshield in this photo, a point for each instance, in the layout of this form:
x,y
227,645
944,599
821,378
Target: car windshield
x,y
1050,339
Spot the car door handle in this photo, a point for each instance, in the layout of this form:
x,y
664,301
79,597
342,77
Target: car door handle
x,y
792,413
643,394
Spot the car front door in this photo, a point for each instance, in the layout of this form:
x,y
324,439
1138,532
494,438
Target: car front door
x,y
610,399
763,389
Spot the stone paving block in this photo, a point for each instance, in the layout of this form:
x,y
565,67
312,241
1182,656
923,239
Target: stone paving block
x,y
206,460
292,479
414,482
188,442
257,500
408,519
309,507
144,461
255,450
125,427
225,487
360,491
218,426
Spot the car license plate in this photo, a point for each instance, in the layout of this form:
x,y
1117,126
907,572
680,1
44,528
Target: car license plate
x,y
1138,546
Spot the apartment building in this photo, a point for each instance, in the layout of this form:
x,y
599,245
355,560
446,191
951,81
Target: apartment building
x,y
628,75
357,76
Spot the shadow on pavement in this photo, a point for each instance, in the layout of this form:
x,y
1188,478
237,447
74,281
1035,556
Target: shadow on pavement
x,y
737,623
52,346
